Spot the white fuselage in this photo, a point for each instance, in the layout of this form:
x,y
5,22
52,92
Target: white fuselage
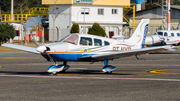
x,y
169,37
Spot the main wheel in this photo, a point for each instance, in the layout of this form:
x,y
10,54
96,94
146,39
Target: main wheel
x,y
54,73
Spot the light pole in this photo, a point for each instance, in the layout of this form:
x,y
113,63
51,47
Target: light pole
x,y
12,10
84,13
84,18
162,11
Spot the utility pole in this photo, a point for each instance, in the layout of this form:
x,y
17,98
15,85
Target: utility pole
x,y
169,16
12,10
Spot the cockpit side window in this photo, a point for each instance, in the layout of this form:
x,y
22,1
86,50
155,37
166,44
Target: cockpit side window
x,y
165,34
72,39
178,34
86,41
160,33
106,43
97,42
172,34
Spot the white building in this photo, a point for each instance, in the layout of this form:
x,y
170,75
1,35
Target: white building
x,y
62,15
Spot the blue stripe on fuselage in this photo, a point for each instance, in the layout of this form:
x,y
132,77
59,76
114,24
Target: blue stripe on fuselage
x,y
68,57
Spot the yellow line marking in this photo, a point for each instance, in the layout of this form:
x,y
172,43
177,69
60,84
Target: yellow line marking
x,y
19,57
0,66
9,82
159,71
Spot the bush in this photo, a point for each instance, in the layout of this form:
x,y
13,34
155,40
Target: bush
x,y
6,32
96,29
75,28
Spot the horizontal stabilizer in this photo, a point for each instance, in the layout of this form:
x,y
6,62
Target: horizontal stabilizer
x,y
20,47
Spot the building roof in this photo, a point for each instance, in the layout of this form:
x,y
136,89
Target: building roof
x,y
88,2
172,7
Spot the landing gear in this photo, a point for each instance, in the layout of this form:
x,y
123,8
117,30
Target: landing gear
x,y
139,58
108,68
53,69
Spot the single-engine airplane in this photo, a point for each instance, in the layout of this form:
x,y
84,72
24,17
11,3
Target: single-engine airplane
x,y
163,37
91,48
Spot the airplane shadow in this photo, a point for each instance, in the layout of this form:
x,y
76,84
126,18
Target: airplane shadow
x,y
79,72
93,72
24,73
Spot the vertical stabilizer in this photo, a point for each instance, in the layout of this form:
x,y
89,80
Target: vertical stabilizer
x,y
139,36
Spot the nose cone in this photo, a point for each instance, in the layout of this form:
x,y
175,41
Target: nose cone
x,y
41,49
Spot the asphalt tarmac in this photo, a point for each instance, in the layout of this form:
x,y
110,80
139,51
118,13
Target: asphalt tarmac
x,y
24,77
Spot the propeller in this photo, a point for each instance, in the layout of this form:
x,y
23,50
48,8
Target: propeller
x,y
42,49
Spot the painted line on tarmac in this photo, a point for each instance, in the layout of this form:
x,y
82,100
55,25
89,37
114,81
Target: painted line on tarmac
x,y
19,57
162,71
99,78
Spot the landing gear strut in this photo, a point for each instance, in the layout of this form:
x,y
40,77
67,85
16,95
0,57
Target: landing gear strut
x,y
53,69
108,68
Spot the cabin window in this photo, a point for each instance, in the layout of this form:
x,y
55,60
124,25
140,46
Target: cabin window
x,y
165,34
72,39
160,33
172,34
86,41
106,43
97,42
178,34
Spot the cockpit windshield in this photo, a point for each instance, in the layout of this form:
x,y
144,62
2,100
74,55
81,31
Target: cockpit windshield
x,y
158,33
70,39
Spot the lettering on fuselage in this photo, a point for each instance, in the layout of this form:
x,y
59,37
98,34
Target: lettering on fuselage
x,y
121,48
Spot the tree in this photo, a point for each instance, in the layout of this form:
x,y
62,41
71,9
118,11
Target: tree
x,y
96,29
75,28
6,6
6,32
35,3
20,6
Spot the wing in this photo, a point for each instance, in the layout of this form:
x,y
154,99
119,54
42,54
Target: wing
x,y
23,48
115,55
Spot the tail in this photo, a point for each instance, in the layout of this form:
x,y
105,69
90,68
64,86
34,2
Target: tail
x,y
139,36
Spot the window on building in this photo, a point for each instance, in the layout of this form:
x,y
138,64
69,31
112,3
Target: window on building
x,y
86,41
97,42
85,10
100,11
114,11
